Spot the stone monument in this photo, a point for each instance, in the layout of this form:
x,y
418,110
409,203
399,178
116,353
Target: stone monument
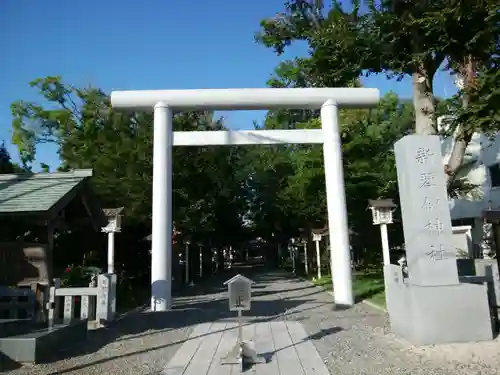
x,y
431,306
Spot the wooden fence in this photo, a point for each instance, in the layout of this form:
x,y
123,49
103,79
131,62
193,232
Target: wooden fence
x,y
96,303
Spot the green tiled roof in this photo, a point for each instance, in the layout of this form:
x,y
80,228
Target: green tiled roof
x,y
37,192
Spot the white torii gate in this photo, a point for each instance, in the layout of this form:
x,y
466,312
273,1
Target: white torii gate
x,y
163,102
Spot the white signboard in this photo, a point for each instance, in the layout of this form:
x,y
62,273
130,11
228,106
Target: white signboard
x,y
240,293
316,237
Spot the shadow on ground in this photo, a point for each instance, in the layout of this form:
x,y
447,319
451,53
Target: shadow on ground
x,y
7,364
200,304
269,356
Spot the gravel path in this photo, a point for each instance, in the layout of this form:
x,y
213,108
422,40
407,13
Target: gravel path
x,y
358,340
354,341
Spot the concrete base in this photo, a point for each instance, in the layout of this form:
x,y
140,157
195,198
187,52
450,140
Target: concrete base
x,y
34,345
425,315
12,327
470,270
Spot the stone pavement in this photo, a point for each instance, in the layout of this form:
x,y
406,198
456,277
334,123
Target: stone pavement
x,y
352,341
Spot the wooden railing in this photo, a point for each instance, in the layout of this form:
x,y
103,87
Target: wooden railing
x,y
97,303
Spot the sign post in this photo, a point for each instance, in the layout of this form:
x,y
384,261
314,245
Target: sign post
x,y
240,297
316,239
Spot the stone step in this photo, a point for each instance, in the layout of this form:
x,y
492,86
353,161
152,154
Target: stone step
x,y
40,342
11,327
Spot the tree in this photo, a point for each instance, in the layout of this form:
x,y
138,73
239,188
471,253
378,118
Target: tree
x,y
5,161
268,169
474,108
118,147
6,164
395,37
289,182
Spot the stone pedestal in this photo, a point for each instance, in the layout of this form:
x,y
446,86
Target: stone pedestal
x,y
425,315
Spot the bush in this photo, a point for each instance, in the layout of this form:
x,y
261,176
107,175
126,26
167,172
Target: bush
x,y
78,276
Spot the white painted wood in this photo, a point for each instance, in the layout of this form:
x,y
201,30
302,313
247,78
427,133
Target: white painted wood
x,y
56,301
265,346
246,99
84,307
162,224
331,100
228,341
288,360
338,232
309,357
52,306
247,137
179,362
248,331
98,303
92,308
69,309
76,292
103,288
113,280
306,262
200,363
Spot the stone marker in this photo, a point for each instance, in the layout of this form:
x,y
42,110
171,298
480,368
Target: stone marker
x,y
431,306
430,253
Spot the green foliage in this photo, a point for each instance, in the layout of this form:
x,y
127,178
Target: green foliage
x,y
392,36
223,194
288,182
78,276
367,285
5,161
395,37
6,164
482,112
208,191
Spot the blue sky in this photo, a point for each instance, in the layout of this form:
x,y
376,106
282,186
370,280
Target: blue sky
x,y
152,44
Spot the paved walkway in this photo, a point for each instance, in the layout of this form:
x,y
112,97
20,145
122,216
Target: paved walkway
x,y
353,341
284,346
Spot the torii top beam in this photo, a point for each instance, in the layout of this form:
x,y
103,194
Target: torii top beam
x,y
245,99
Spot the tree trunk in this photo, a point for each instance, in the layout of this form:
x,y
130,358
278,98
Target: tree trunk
x,y
423,101
462,138
457,156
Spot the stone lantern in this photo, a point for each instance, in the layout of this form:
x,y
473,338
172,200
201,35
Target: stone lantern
x,y
114,226
382,211
317,235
